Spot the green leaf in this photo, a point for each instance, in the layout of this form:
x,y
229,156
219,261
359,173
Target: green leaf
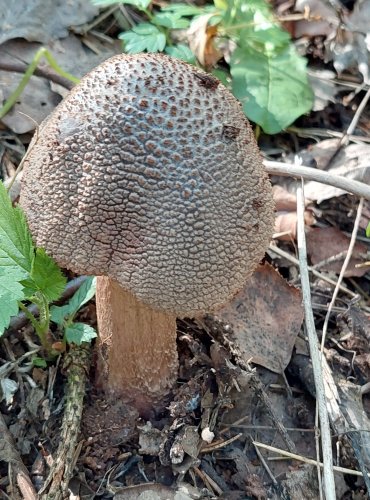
x,y
16,247
171,21
220,4
223,76
11,291
79,332
39,362
181,52
45,277
368,230
64,313
272,86
144,36
182,9
140,4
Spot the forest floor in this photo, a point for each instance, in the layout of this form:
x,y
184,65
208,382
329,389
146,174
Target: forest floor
x,y
242,420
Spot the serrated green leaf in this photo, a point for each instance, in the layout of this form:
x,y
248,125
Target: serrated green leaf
x,y
144,36
182,9
11,291
140,4
59,314
79,332
368,230
181,52
272,86
10,286
16,247
45,277
171,21
8,308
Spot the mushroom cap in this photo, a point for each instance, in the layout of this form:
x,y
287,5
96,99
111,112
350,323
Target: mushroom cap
x,y
148,172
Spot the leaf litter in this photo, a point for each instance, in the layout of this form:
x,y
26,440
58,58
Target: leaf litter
x,y
204,445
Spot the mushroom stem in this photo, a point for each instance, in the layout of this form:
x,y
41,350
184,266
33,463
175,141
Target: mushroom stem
x,y
136,354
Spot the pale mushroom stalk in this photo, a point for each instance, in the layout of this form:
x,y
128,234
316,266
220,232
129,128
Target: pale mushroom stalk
x,y
148,173
137,348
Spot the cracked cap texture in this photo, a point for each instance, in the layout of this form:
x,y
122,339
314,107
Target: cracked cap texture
x,y
148,172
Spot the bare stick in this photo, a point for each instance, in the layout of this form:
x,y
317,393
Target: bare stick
x,y
329,484
293,456
288,256
313,174
342,271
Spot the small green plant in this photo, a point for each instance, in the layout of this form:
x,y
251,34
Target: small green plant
x,y
368,230
28,274
267,75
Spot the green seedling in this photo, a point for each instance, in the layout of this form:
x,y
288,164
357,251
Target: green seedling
x,y
267,74
28,274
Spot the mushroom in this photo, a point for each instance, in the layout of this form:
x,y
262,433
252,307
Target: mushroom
x,y
148,176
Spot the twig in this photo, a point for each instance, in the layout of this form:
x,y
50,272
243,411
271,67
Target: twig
x,y
264,463
329,484
218,446
77,366
342,271
18,472
352,126
48,73
208,481
293,456
319,132
312,270
313,174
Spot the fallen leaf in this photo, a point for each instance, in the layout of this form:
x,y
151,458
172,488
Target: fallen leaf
x,y
39,99
42,20
285,228
201,41
265,318
325,23
283,199
350,47
323,86
323,243
351,161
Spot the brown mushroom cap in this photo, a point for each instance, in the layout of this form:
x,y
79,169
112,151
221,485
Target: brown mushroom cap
x,y
148,172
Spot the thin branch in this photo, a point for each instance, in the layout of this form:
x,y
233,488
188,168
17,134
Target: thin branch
x,y
313,174
342,271
48,73
329,483
293,456
288,256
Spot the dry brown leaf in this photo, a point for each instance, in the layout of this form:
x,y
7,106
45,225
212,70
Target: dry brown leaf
x,y
286,216
201,41
285,228
323,243
352,161
265,318
283,199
